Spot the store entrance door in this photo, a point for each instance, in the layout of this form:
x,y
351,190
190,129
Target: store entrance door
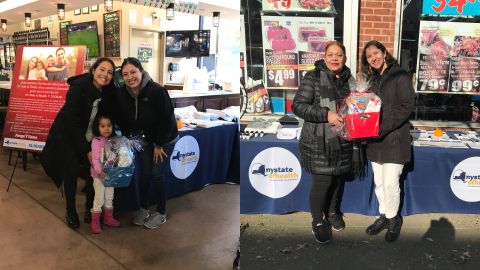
x,y
146,46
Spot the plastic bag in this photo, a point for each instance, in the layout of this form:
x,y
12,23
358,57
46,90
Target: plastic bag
x,y
360,111
118,160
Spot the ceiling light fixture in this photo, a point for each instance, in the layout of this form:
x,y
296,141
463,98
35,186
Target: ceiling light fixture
x,y
216,18
4,25
28,19
170,11
61,11
108,4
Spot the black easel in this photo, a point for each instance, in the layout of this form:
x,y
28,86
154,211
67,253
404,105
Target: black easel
x,y
13,172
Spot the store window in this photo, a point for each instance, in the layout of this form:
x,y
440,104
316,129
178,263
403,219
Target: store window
x,y
309,30
446,88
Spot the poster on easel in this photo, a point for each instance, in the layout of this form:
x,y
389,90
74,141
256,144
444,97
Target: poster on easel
x,y
38,91
291,45
448,58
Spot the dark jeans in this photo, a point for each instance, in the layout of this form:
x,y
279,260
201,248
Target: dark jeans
x,y
70,187
325,194
152,175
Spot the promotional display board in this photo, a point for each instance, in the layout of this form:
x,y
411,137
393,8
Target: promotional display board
x,y
291,45
448,58
325,6
38,92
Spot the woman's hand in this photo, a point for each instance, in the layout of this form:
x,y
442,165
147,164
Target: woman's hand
x,y
158,153
334,119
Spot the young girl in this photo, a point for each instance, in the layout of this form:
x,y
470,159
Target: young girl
x,y
40,72
102,129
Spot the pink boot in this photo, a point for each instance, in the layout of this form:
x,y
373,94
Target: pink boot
x,y
96,222
108,218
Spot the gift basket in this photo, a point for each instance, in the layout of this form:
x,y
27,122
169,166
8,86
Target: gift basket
x,y
118,160
360,111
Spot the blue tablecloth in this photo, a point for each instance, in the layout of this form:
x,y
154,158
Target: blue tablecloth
x,y
218,153
426,183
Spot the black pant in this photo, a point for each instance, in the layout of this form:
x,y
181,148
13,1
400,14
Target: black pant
x,y
325,194
153,174
70,186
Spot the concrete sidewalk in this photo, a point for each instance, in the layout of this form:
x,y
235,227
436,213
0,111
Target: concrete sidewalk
x,y
427,241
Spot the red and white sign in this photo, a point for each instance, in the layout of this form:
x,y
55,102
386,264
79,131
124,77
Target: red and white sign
x,y
34,98
291,46
448,58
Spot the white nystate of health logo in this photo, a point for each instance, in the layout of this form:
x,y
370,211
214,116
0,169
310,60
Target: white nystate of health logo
x,y
185,156
465,180
275,172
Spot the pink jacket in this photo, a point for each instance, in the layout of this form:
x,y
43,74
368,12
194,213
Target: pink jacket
x,y
98,144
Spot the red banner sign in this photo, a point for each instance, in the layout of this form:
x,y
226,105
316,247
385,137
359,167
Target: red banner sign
x,y
38,91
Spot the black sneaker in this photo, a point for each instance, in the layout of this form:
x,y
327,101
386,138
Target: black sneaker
x,y
377,226
394,227
322,232
336,220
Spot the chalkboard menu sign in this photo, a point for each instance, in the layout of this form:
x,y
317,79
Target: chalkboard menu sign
x,y
63,32
111,33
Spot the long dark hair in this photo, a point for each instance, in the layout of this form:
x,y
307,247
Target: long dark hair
x,y
389,59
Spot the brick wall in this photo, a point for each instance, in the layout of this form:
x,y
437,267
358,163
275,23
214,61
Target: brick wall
x,y
377,21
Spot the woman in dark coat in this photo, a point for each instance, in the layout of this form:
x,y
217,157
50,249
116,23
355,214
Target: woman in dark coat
x,y
143,106
391,150
67,148
323,154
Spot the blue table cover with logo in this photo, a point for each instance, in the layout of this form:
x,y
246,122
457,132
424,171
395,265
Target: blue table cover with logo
x,y
212,163
426,184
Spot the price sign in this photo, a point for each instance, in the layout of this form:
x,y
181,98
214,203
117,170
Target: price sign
x,y
465,86
433,73
282,78
433,85
281,69
465,75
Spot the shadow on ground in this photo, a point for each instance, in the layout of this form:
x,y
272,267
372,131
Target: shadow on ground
x,y
283,242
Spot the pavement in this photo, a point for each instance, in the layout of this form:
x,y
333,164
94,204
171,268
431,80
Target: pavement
x,y
427,241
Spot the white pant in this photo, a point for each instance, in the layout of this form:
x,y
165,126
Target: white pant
x,y
387,187
103,195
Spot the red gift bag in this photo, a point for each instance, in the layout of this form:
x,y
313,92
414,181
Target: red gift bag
x,y
362,125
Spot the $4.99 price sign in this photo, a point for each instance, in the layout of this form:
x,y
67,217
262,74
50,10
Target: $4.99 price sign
x,y
284,78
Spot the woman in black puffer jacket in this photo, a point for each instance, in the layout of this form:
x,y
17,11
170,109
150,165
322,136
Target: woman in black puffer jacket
x,y
323,154
391,150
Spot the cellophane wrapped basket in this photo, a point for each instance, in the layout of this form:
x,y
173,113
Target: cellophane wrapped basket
x,y
118,160
360,111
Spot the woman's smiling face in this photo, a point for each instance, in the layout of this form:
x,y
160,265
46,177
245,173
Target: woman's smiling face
x,y
335,58
375,58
